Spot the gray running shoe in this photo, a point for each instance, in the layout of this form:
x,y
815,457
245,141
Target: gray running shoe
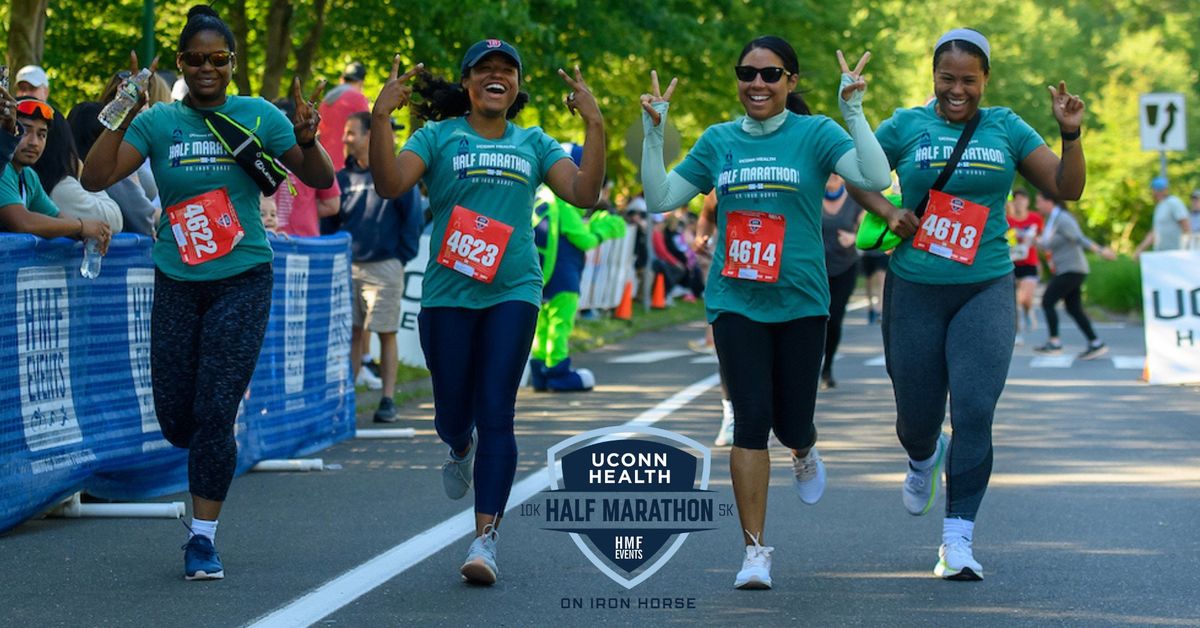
x,y
480,566
921,487
1094,352
457,472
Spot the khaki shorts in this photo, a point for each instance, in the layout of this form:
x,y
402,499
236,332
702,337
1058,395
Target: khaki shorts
x,y
378,287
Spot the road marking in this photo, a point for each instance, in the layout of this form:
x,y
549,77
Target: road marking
x,y
1129,362
1052,361
344,589
648,357
879,360
705,359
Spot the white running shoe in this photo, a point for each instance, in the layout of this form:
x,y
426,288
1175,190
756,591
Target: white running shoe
x,y
810,476
480,566
756,567
955,561
458,472
725,434
368,379
921,487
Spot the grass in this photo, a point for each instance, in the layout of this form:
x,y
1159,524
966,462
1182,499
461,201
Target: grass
x,y
1115,286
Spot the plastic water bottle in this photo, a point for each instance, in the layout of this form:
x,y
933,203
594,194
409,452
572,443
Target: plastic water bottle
x,y
126,99
90,267
4,76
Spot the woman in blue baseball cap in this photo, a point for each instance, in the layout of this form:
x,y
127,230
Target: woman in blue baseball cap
x,y
483,284
949,312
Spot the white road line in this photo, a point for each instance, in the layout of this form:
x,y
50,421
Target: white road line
x,y
648,357
1052,362
344,589
705,359
1129,362
877,361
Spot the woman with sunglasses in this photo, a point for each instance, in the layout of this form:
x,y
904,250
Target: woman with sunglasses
x,y
25,207
483,284
767,295
948,317
212,291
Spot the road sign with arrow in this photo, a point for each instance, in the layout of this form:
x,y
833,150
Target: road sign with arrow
x,y
1162,122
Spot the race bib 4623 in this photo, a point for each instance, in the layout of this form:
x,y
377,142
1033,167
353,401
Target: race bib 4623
x,y
753,245
474,244
205,227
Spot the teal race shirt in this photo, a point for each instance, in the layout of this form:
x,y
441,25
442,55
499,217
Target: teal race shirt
x,y
187,160
25,189
781,173
496,178
918,142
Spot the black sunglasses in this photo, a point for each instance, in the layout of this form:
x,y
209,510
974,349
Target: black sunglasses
x,y
746,73
218,59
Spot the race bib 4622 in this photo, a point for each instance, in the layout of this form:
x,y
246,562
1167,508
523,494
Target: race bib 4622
x,y
205,227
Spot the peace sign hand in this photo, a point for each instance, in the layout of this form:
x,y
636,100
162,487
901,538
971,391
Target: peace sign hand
x,y
649,100
1067,108
580,99
8,112
144,92
307,116
853,86
397,91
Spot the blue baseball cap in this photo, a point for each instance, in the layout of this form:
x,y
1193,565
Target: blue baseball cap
x,y
1158,184
481,49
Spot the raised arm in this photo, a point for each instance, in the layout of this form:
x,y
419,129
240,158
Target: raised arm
x,y
580,186
664,192
112,158
307,159
394,174
1060,178
865,165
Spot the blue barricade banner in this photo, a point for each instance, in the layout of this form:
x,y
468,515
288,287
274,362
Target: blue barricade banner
x,y
76,405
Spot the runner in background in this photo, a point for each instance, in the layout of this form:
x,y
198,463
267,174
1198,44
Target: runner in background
x,y
212,296
483,284
1024,228
767,296
840,216
706,226
948,318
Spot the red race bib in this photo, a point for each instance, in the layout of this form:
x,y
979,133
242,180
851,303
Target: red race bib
x,y
474,244
754,245
951,227
206,227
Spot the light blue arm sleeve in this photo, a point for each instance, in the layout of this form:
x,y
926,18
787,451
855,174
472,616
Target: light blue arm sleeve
x,y
866,165
664,192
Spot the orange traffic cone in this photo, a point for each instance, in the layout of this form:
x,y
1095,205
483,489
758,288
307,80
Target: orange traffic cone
x,y
1146,371
624,311
658,299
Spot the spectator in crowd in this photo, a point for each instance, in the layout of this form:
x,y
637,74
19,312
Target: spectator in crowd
x,y
384,234
337,107
33,82
138,212
635,215
297,207
1171,228
24,205
58,168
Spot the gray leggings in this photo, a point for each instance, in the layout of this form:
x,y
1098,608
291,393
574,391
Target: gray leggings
x,y
955,339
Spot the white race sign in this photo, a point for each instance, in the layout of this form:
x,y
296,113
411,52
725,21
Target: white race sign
x,y
1162,122
1171,305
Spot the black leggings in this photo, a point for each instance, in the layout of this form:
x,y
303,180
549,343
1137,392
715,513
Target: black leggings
x,y
1067,288
840,288
772,371
204,343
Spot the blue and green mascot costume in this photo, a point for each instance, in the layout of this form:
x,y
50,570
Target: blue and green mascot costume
x,y
562,239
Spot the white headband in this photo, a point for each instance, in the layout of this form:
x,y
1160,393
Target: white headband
x,y
970,36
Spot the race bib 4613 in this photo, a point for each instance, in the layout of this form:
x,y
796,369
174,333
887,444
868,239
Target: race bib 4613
x,y
951,227
474,244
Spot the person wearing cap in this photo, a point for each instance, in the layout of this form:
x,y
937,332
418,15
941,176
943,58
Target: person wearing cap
x,y
767,296
948,317
482,286
32,81
25,207
339,104
1171,227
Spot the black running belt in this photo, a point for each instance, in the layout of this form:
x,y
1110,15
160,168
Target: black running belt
x,y
247,149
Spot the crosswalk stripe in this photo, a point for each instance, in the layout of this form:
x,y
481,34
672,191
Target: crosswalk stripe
x,y
648,357
1129,362
1052,361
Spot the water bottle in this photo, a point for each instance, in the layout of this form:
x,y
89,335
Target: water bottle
x,y
90,267
4,76
126,99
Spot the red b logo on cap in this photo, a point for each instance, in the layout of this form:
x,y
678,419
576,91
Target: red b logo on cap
x,y
494,43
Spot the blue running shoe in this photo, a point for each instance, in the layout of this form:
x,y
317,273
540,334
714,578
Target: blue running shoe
x,y
480,566
200,560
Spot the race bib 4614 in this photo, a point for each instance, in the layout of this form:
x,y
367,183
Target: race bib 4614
x,y
753,245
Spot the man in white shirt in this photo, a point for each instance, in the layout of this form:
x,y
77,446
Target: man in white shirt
x,y
1172,225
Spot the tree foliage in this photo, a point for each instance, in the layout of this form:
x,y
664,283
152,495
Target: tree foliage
x,y
1108,51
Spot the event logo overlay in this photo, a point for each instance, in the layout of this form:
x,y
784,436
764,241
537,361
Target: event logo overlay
x,y
628,501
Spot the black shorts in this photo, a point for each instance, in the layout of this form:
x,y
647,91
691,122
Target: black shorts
x,y
873,263
1022,271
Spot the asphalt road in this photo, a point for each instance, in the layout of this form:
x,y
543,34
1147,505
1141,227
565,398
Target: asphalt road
x,y
1090,519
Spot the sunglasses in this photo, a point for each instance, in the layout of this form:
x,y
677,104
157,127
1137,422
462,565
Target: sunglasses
x,y
746,73
218,59
35,109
